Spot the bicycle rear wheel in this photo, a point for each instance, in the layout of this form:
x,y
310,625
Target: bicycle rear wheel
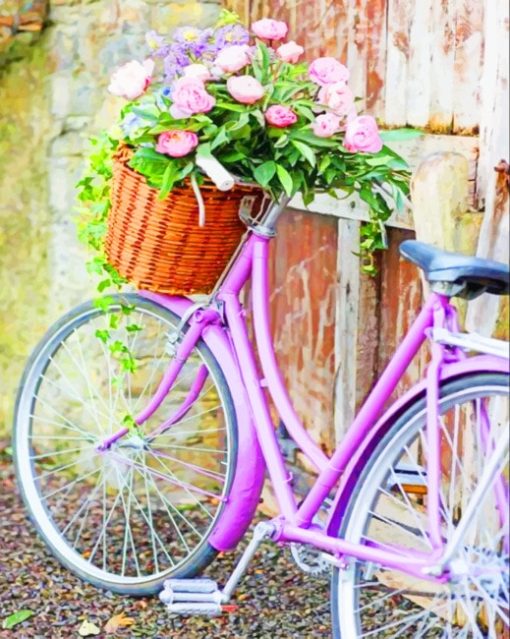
x,y
142,510
388,508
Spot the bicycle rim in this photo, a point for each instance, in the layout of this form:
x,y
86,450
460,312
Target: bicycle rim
x,y
388,507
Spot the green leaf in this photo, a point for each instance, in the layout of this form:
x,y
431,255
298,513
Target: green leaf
x,y
103,285
379,159
17,617
103,303
324,163
170,177
259,116
232,156
221,138
148,114
265,173
310,138
285,179
103,335
282,141
227,106
133,328
397,135
305,151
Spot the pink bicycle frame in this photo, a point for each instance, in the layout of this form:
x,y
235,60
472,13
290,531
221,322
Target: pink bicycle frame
x,y
295,522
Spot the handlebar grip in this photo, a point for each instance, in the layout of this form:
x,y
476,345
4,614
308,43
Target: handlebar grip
x,y
216,172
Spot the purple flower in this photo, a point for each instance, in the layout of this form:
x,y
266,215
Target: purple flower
x,y
154,40
231,34
192,41
175,61
187,35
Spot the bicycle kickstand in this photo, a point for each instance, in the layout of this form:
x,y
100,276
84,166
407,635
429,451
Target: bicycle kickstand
x,y
203,596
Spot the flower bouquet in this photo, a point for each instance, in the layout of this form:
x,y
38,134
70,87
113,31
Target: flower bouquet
x,y
243,101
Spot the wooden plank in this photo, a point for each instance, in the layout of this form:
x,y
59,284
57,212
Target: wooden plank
x,y
401,300
367,345
303,305
442,178
398,49
442,67
419,80
469,48
484,312
346,325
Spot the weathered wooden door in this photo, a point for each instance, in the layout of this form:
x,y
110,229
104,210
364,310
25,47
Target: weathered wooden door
x,y
441,67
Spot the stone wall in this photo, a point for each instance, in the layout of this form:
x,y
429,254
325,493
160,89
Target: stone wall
x,y
51,101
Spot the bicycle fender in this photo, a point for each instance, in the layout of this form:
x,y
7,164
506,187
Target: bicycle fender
x,y
449,372
248,479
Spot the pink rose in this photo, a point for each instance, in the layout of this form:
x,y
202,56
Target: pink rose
x,y
131,79
245,89
233,58
362,134
326,125
177,143
290,52
337,97
327,71
189,97
280,116
268,29
198,71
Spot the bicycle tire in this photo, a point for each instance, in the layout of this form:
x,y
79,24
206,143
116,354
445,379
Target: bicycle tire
x,y
205,553
412,417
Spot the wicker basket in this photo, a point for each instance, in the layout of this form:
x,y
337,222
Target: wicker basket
x,y
158,244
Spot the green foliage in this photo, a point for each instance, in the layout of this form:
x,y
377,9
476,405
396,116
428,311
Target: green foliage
x,y
16,618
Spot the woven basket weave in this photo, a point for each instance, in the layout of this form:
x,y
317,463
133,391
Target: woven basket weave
x,y
158,244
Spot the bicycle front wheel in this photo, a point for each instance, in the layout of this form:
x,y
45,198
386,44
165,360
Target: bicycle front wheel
x,y
388,509
141,510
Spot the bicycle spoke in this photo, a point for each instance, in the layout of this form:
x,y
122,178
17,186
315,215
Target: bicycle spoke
x,y
198,469
72,483
166,503
61,452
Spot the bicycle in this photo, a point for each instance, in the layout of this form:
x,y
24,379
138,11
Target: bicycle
x,y
414,500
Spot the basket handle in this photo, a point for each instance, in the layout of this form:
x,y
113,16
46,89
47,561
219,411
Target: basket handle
x,y
216,172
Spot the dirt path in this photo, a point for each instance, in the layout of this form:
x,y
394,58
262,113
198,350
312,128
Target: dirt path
x,y
274,601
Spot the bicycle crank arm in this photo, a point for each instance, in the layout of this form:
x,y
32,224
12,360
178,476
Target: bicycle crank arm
x,y
188,597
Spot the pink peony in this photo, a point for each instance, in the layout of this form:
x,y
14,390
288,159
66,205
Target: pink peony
x,y
362,134
268,29
327,71
337,97
189,97
290,52
131,79
280,116
326,125
233,58
198,71
245,89
177,143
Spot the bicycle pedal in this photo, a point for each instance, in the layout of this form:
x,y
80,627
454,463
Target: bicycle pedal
x,y
188,597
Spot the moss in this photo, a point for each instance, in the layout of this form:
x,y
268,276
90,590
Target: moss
x,y
25,124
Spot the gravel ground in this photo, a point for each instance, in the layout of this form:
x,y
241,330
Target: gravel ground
x,y
274,601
